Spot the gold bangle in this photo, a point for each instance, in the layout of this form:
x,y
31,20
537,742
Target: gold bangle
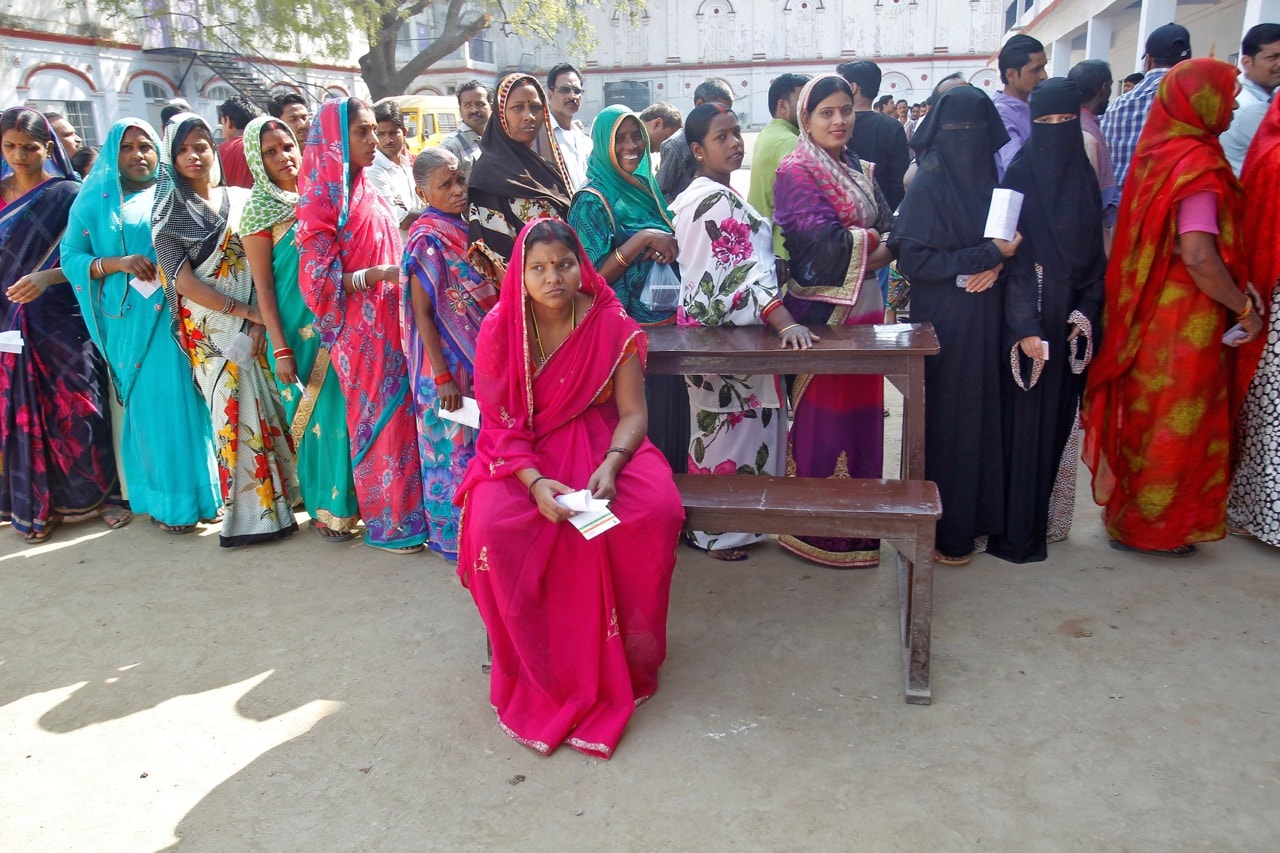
x,y
786,329
1246,310
617,254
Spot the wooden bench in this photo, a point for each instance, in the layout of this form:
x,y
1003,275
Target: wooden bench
x,y
903,512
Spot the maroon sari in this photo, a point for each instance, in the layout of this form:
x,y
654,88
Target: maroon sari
x,y
578,627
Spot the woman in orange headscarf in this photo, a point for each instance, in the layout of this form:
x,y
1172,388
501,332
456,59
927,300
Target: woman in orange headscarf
x,y
1255,492
1164,391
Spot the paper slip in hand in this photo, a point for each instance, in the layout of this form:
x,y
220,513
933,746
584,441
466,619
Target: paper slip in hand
x,y
468,415
593,515
240,350
146,288
11,341
1002,217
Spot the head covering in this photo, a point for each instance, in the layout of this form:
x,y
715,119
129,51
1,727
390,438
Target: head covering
x,y
268,204
1169,43
570,380
178,210
104,188
635,199
946,205
1062,206
342,222
510,169
58,164
1261,179
1178,155
848,191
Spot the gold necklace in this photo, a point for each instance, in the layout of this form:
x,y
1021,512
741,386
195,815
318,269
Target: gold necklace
x,y
537,336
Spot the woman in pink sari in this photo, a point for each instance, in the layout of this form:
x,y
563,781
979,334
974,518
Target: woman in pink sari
x,y
349,254
578,626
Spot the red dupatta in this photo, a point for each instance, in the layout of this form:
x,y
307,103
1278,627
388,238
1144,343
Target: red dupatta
x,y
1261,179
519,405
342,223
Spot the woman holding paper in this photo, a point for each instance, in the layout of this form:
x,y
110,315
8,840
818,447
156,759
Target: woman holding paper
x,y
195,227
445,299
55,423
309,387
349,249
165,443
832,215
1053,300
955,275
578,626
1165,390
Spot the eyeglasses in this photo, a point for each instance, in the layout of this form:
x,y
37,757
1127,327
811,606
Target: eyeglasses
x,y
569,90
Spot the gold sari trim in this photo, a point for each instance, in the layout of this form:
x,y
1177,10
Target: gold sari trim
x,y
829,558
302,417
336,523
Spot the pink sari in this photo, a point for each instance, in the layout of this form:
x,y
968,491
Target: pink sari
x,y
578,627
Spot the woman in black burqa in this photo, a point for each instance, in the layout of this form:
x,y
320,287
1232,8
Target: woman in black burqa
x,y
956,284
1054,290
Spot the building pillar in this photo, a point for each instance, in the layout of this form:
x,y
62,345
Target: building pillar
x,y
1155,13
1260,12
1097,43
1060,60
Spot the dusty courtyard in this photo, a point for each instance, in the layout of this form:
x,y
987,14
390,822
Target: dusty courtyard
x,y
157,690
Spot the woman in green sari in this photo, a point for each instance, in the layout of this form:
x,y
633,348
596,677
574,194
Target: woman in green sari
x,y
309,388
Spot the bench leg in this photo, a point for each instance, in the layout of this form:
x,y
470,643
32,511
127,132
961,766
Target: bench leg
x,y
915,605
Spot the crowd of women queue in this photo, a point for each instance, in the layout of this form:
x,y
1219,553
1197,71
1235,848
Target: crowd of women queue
x,y
325,355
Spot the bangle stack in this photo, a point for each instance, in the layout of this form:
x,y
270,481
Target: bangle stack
x,y
282,352
621,258
443,378
1246,310
97,264
873,242
360,281
774,305
229,306
534,483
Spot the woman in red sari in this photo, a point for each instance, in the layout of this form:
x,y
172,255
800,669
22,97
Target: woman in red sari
x,y
1164,392
349,255
578,627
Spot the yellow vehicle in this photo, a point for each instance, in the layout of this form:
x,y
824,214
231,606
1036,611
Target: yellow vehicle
x,y
427,119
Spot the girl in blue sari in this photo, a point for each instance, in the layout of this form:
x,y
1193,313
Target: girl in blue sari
x,y
55,421
165,442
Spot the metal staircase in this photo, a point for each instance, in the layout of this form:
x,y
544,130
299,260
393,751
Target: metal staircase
x,y
234,69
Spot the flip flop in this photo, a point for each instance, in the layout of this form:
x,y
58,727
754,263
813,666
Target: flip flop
x,y
408,549
175,529
335,536
946,560
115,517
1178,552
727,555
37,538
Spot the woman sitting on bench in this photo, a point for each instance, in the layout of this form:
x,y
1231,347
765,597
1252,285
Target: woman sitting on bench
x,y
578,626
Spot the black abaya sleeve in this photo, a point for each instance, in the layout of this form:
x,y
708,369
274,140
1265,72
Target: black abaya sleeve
x,y
918,261
1022,298
1093,294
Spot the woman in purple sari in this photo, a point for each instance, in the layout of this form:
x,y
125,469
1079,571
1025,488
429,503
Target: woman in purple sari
x,y
55,420
445,298
832,214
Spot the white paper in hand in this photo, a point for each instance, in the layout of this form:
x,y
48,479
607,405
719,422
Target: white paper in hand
x,y
240,350
146,288
468,415
1002,217
11,341
592,515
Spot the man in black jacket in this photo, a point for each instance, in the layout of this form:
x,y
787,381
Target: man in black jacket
x,y
876,137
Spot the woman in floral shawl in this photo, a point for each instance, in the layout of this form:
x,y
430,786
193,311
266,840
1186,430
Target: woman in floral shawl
x,y
729,278
195,227
308,386
1164,392
512,183
578,627
832,214
55,424
625,229
445,299
165,441
349,249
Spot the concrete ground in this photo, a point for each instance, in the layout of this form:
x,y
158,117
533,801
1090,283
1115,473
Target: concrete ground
x,y
157,690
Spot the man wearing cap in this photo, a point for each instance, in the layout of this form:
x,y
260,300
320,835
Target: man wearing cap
x,y
1122,125
1260,59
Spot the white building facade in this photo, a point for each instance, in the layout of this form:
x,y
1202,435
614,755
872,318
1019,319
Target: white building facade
x,y
679,43
1117,30
72,61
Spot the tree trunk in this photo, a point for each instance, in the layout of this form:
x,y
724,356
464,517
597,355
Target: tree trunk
x,y
378,66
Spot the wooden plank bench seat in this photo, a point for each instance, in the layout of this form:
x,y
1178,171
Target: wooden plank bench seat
x,y
903,512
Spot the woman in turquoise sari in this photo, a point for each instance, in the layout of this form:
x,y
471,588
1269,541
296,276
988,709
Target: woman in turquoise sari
x,y
626,228
309,388
166,445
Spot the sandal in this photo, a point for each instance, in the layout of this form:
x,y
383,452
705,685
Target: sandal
x,y
328,535
115,517
408,549
1180,551
945,560
1241,532
37,537
175,529
727,555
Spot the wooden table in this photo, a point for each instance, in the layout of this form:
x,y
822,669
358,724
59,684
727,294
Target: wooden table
x,y
896,352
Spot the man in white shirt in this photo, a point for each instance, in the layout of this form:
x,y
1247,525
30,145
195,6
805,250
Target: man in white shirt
x,y
564,90
391,174
1260,59
464,143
